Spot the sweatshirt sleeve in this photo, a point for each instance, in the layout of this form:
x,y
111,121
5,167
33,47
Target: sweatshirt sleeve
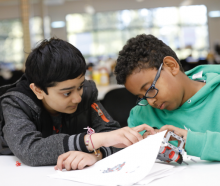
x,y
25,141
203,145
99,124
76,142
131,119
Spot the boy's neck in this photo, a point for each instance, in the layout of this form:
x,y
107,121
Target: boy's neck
x,y
191,87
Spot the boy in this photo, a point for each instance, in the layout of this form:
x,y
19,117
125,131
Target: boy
x,y
169,99
46,112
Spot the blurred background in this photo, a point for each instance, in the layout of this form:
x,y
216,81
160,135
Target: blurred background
x,y
100,28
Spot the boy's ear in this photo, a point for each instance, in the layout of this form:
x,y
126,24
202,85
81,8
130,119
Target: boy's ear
x,y
171,64
37,91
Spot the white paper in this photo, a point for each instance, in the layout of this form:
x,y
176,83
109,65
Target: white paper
x,y
159,171
125,167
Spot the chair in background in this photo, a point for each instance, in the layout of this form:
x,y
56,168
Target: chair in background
x,y
118,103
188,66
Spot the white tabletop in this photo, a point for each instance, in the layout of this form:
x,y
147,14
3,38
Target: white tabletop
x,y
202,173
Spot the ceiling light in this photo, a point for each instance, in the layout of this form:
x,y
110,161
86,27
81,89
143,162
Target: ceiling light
x,y
58,24
53,2
215,13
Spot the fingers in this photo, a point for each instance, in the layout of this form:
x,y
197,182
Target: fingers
x,y
146,134
144,127
74,163
88,160
178,131
135,133
75,160
126,140
130,136
61,160
168,128
81,161
82,164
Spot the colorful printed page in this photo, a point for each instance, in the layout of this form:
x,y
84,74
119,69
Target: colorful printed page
x,y
125,167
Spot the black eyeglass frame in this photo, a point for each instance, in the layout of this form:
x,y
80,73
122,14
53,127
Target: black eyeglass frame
x,y
151,87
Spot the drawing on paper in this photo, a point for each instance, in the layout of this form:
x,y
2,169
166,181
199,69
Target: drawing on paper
x,y
115,168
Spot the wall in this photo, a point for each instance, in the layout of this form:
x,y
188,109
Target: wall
x,y
10,9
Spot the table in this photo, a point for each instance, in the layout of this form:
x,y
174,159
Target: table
x,y
24,175
102,90
202,173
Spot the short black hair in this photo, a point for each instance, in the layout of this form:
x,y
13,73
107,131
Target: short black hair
x,y
142,51
54,61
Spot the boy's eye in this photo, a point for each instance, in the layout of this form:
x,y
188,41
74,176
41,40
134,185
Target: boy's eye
x,y
67,94
80,87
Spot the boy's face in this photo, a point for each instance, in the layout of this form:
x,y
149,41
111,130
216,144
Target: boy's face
x,y
170,93
65,96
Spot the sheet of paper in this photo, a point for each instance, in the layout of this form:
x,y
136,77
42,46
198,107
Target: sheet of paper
x,y
125,167
159,171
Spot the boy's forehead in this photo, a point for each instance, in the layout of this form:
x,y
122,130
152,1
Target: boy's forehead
x,y
70,83
141,75
139,78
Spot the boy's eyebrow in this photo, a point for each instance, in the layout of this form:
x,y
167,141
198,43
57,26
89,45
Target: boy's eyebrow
x,y
68,88
143,85
71,87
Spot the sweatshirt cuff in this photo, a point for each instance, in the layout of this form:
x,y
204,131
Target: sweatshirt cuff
x,y
65,143
195,143
106,151
75,143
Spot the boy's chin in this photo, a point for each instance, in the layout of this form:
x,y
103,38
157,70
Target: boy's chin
x,y
171,107
69,112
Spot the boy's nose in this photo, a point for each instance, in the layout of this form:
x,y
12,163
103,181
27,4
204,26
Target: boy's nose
x,y
151,101
77,98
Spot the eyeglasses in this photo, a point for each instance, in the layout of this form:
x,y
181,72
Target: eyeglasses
x,y
151,92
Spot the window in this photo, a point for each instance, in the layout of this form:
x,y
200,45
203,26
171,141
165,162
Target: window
x,y
36,30
11,42
105,33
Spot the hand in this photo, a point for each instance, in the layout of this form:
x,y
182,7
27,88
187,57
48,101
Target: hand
x,y
125,136
73,160
178,131
147,133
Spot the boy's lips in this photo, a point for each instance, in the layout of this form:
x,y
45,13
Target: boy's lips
x,y
72,107
162,106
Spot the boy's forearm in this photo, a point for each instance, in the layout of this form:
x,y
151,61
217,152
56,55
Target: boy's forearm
x,y
203,145
95,140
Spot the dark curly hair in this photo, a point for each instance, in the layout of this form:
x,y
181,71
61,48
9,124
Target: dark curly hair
x,y
142,51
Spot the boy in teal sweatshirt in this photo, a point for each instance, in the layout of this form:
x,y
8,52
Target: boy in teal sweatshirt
x,y
169,99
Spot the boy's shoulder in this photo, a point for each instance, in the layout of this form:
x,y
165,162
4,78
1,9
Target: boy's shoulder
x,y
20,99
139,110
21,94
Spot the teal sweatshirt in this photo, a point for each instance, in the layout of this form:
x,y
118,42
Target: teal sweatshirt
x,y
200,115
